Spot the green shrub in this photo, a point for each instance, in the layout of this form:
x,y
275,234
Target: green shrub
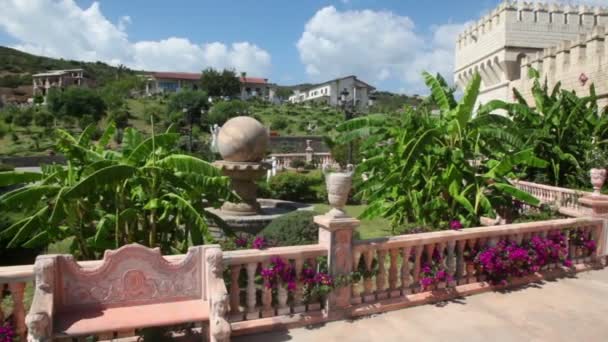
x,y
298,163
6,167
3,129
43,119
279,123
225,110
293,229
292,186
24,118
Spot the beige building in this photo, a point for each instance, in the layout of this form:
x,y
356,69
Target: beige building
x,y
566,43
329,92
61,79
169,82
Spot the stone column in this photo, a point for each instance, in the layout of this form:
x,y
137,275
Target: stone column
x,y
336,233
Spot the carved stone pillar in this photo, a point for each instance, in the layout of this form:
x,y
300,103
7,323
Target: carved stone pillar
x,y
336,233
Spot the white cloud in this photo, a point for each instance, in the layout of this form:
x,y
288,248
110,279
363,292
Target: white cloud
x,y
62,29
376,46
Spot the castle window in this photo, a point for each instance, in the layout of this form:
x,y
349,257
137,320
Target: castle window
x,y
519,15
550,18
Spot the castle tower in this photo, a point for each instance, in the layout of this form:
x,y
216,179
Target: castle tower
x,y
498,44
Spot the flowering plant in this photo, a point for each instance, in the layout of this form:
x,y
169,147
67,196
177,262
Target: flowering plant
x,y
316,283
584,241
508,258
279,273
456,225
432,274
6,333
259,242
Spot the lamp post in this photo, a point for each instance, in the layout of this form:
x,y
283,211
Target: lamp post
x,y
347,116
188,112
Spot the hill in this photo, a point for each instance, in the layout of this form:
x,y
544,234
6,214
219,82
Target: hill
x,y
17,68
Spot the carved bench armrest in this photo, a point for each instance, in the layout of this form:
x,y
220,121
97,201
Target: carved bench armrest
x,y
40,317
217,294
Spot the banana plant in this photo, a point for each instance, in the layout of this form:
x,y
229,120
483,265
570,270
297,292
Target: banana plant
x,y
560,127
103,198
426,169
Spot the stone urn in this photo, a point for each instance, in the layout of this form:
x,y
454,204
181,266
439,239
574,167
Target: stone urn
x,y
338,188
598,177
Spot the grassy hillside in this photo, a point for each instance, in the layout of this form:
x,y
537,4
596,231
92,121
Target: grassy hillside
x,y
17,68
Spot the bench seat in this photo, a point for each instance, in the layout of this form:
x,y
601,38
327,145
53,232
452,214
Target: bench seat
x,y
90,322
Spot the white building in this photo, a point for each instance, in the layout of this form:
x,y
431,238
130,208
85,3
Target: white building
x,y
563,42
329,92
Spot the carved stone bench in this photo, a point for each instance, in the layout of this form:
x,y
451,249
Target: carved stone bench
x,y
134,287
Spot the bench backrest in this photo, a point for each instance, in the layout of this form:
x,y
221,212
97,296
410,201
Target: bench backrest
x,y
131,275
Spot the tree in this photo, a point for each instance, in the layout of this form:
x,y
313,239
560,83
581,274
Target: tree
x,y
428,170
224,110
144,193
76,102
222,84
284,93
114,93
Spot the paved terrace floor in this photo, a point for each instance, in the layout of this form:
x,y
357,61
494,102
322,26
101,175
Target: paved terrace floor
x,y
569,309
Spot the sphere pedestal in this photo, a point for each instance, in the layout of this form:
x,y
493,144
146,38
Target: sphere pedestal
x,y
243,176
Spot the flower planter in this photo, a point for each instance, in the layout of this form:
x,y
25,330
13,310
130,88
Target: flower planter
x,y
598,177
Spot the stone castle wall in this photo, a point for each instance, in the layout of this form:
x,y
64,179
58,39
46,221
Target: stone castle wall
x,y
497,44
576,64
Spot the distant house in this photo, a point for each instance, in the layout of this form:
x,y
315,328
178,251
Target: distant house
x,y
44,81
329,92
170,82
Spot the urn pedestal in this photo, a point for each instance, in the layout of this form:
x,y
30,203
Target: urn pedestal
x,y
598,177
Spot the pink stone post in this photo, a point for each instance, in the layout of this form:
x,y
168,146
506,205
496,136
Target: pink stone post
x,y
336,233
598,205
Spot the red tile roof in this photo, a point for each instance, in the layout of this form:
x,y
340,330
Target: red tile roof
x,y
256,80
177,75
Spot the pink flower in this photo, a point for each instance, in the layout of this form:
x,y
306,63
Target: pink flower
x,y
6,333
240,242
456,225
259,242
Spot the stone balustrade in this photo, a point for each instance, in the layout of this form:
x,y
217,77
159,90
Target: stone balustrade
x,y
566,200
319,159
398,260
251,300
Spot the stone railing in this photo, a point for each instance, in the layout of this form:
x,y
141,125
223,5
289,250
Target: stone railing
x,y
251,300
395,279
566,200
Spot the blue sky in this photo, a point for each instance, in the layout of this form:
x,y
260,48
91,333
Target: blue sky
x,y
386,43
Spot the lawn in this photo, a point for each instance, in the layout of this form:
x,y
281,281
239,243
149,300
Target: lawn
x,y
370,228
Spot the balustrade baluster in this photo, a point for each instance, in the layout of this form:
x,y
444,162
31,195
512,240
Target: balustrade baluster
x,y
267,310
451,263
405,271
235,294
442,262
17,290
460,262
471,270
381,277
298,305
252,311
417,266
282,296
356,287
589,235
1,299
368,282
393,275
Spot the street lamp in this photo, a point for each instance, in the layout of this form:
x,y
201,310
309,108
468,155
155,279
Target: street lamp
x,y
186,111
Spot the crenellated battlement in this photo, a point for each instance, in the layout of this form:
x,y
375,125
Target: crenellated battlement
x,y
585,52
510,15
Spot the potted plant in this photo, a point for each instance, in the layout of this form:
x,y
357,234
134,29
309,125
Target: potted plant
x,y
338,188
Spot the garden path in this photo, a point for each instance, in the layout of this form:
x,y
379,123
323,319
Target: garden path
x,y
569,309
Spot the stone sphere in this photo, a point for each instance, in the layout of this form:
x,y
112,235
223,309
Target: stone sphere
x,y
242,139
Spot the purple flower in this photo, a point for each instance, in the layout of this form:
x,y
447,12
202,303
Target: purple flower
x,y
240,242
259,242
6,333
456,225
426,282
